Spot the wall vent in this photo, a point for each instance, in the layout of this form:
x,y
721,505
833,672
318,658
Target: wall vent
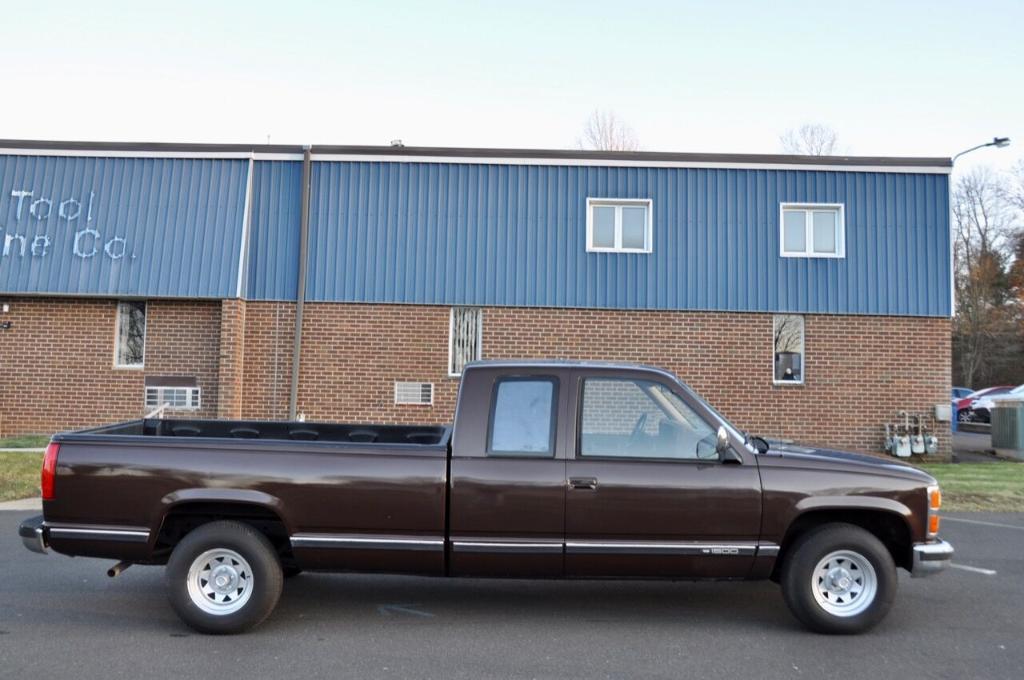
x,y
419,393
175,397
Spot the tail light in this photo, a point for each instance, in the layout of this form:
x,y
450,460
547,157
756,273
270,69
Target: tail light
x,y
49,470
934,503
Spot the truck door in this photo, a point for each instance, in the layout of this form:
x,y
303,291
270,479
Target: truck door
x,y
507,494
647,494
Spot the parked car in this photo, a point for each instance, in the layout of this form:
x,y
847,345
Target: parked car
x,y
981,408
552,469
961,392
964,412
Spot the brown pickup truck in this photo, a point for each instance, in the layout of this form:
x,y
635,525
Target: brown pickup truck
x,y
552,470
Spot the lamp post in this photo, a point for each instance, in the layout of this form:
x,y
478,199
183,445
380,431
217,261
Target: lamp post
x,y
998,142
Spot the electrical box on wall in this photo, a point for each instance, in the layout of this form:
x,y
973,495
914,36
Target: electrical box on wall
x,y
943,413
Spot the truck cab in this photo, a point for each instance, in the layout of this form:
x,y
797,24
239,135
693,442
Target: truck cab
x,y
596,470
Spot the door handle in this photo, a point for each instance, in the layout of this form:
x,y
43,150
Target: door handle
x,y
587,483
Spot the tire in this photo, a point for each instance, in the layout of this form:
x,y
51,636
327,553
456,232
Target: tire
x,y
245,566
839,579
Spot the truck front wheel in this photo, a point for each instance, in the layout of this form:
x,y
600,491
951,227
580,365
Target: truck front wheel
x,y
224,577
839,578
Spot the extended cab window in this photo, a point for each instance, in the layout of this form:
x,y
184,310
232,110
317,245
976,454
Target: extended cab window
x,y
640,419
523,418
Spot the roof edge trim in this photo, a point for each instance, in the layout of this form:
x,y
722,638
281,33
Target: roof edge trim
x,y
406,154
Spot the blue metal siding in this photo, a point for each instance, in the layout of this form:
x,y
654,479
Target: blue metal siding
x,y
274,231
450,233
158,227
515,235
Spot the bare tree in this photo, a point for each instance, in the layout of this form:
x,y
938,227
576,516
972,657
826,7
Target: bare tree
x,y
810,139
984,233
1014,189
605,131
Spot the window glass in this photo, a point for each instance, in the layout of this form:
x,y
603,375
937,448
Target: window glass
x,y
523,419
619,225
794,231
812,230
824,231
789,348
634,227
131,334
604,227
641,419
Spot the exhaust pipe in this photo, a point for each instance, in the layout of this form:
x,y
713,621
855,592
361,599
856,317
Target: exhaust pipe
x,y
117,569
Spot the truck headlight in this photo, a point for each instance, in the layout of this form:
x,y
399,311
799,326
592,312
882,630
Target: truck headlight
x,y
934,503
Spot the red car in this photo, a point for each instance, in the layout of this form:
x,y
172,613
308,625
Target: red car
x,y
963,406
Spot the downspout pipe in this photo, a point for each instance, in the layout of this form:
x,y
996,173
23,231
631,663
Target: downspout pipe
x,y
300,298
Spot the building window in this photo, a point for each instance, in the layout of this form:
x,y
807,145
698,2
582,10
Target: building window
x,y
619,225
789,349
813,230
465,338
130,338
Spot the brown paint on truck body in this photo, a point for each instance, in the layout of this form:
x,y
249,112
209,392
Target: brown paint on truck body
x,y
432,499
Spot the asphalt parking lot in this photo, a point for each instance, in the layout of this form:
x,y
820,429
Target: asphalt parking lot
x,y
62,617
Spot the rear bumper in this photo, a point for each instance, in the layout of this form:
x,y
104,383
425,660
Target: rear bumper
x,y
931,558
33,534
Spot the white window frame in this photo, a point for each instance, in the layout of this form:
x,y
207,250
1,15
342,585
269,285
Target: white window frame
x,y
618,204
451,336
808,210
803,351
117,336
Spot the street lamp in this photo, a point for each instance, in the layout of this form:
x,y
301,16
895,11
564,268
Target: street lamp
x,y
998,142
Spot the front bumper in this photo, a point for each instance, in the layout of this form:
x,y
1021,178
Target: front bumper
x,y
33,534
931,558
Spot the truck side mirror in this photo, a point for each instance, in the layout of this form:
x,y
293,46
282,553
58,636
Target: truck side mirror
x,y
723,448
722,443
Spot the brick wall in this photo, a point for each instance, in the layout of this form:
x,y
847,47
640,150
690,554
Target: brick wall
x,y
267,369
231,359
56,362
859,370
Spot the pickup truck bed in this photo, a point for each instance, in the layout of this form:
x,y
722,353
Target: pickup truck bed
x,y
551,470
393,479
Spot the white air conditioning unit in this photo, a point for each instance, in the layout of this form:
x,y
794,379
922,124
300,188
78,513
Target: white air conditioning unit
x,y
416,393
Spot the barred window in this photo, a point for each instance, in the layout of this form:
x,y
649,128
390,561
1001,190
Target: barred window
x,y
465,335
130,340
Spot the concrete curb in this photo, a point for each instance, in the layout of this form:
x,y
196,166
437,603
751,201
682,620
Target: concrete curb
x,y
22,450
22,504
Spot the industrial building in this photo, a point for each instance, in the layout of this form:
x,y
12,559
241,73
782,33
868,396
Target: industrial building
x,y
808,298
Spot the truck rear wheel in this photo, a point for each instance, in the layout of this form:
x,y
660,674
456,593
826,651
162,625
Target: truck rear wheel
x,y
224,577
839,578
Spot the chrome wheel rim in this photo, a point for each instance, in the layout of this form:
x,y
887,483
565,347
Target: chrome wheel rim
x,y
220,581
844,583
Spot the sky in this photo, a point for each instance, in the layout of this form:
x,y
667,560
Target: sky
x,y
892,78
